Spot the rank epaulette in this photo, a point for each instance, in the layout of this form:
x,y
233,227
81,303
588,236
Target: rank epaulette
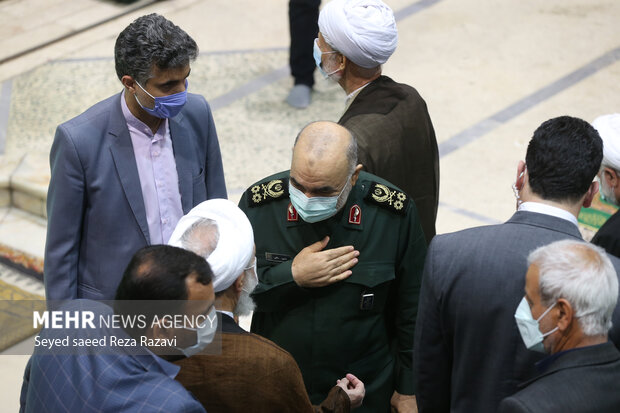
x,y
267,191
389,198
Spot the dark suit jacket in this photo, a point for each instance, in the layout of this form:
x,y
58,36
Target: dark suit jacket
x,y
95,208
396,141
252,374
584,380
608,236
96,379
468,353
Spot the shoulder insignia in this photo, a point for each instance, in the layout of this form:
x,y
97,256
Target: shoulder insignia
x,y
389,198
264,192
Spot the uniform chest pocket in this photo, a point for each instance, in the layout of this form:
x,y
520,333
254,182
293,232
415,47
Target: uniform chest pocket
x,y
372,280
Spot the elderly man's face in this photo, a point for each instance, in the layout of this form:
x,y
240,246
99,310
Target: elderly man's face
x,y
329,61
532,295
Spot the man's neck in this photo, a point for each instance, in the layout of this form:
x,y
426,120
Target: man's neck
x,y
573,208
351,83
151,121
579,341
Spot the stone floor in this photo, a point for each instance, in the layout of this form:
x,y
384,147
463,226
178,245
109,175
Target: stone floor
x,y
490,75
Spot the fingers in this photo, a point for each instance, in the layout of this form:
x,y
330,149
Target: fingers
x,y
335,253
344,262
353,380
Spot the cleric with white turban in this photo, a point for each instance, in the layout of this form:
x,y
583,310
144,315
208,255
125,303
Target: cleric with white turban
x,y
608,126
230,253
362,30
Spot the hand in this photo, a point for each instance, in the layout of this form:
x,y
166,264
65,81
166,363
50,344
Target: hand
x,y
354,388
402,403
313,267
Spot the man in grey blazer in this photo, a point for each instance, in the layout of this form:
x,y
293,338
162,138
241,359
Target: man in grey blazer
x,y
571,290
468,354
125,171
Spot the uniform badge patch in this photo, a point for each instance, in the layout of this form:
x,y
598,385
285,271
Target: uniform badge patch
x,y
355,215
389,198
267,191
291,213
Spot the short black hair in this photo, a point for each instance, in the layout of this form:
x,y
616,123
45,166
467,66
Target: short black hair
x,y
152,40
563,158
159,272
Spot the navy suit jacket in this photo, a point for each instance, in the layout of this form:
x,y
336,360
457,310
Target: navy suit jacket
x,y
468,353
99,378
582,380
95,208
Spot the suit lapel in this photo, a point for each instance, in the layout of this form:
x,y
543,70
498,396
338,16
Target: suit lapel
x,y
182,157
126,168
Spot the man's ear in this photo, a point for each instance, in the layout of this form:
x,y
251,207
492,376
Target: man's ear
x,y
521,172
356,174
566,314
129,83
343,61
239,283
611,177
587,200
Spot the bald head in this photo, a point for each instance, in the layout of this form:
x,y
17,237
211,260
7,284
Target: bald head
x,y
326,144
324,160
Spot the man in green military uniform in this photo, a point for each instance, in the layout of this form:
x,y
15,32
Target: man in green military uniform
x,y
340,255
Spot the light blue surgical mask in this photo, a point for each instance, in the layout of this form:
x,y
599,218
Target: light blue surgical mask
x,y
317,208
530,328
204,334
317,59
165,106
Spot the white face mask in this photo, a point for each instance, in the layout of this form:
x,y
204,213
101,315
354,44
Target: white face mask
x,y
530,328
204,334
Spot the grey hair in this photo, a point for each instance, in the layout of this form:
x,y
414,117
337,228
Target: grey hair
x,y
152,40
201,237
582,274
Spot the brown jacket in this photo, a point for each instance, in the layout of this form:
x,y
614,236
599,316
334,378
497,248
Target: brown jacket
x,y
252,374
396,141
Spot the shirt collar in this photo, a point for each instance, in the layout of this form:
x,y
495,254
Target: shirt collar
x,y
351,96
228,313
549,210
135,123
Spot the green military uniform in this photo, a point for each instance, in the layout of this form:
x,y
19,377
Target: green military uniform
x,y
363,325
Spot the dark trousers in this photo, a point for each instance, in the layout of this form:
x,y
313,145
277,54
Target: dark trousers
x,y
303,16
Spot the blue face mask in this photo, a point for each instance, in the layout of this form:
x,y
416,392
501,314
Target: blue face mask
x,y
317,208
529,328
317,59
165,106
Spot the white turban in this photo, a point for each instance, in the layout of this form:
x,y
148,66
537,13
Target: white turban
x,y
608,126
236,239
362,30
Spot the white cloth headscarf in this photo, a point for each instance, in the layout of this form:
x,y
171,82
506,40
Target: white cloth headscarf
x,y
236,239
608,126
362,30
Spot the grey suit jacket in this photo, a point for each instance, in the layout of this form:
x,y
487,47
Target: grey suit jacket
x,y
95,208
468,354
585,381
